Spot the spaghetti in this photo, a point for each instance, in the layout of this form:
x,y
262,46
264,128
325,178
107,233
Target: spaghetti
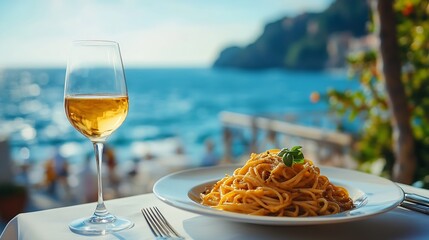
x,y
266,186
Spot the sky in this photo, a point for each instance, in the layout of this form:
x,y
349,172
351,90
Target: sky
x,y
163,33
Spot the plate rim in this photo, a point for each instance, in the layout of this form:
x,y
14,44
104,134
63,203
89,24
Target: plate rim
x,y
191,206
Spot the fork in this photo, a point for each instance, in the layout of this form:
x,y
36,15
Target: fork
x,y
416,202
159,225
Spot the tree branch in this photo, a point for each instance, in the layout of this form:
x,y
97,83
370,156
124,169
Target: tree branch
x,y
403,140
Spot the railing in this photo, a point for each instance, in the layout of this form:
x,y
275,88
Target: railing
x,y
326,147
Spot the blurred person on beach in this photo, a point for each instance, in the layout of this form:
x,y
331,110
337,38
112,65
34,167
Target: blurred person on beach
x,y
24,168
135,169
57,172
210,158
88,179
113,177
143,174
50,180
270,141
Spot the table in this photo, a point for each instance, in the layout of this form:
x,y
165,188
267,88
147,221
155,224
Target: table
x,y
53,224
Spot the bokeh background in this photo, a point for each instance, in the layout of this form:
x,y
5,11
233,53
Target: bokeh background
x,y
209,82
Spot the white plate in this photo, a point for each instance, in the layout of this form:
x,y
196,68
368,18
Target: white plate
x,y
371,195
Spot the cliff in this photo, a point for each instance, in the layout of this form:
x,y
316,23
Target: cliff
x,y
301,42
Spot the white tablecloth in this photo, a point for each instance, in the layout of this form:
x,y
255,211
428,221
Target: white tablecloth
x,y
53,224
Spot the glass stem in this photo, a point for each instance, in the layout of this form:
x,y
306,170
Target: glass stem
x,y
101,210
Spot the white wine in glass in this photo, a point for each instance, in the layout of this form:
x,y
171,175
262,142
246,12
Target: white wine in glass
x,y
96,104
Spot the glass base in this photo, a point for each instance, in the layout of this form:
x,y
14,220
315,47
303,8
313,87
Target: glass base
x,y
99,226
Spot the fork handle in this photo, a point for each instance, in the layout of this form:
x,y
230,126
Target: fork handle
x,y
418,199
415,207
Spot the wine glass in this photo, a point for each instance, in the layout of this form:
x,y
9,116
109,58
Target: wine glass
x,y
96,104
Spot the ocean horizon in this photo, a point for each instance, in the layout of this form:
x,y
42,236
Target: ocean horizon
x,y
169,107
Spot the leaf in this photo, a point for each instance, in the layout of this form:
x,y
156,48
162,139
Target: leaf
x,y
288,159
292,156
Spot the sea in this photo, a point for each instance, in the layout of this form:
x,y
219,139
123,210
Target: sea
x,y
170,108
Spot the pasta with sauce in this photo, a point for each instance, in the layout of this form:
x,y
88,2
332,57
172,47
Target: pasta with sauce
x,y
266,186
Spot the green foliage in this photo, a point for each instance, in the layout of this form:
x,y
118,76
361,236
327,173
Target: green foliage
x,y
370,102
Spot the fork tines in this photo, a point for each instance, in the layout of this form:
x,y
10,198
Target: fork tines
x,y
158,224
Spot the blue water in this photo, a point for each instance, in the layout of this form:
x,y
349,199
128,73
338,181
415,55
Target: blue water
x,y
178,104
